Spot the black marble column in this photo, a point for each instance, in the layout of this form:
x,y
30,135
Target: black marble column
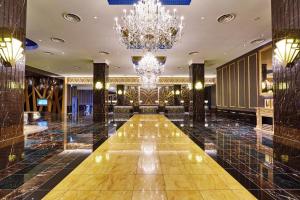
x,y
286,24
12,24
177,96
197,95
120,95
100,95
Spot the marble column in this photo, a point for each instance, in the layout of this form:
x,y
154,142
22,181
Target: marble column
x,y
120,95
100,93
197,92
12,76
285,24
177,96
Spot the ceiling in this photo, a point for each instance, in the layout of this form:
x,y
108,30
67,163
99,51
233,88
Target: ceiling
x,y
217,43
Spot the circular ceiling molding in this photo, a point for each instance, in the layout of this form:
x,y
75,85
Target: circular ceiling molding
x,y
258,41
57,40
226,18
193,53
104,53
70,17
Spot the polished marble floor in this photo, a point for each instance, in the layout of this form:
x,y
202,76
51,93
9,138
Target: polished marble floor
x,y
149,158
264,165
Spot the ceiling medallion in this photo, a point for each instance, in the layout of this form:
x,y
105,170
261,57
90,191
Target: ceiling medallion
x,y
149,26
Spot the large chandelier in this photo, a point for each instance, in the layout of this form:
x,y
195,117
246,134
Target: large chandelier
x,y
149,26
149,65
11,50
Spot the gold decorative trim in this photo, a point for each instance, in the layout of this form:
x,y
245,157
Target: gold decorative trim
x,y
136,80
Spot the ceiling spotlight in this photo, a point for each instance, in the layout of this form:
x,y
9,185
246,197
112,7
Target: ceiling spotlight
x,y
71,17
258,41
57,40
193,53
226,18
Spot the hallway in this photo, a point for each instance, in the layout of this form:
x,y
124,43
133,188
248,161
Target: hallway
x,y
149,158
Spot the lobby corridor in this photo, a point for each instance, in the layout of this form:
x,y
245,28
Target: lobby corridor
x,y
149,158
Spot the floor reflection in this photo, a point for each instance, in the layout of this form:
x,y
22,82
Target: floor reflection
x,y
52,148
247,154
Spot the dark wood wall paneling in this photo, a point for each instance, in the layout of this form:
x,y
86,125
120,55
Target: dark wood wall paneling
x,y
237,83
286,23
12,23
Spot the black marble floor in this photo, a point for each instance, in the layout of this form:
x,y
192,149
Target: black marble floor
x,y
248,155
31,168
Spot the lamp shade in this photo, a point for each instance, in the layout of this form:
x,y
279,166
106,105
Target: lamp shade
x,y
98,85
11,50
287,50
199,86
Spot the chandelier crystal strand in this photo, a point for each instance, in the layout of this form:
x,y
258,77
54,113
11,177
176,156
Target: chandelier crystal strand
x,y
149,26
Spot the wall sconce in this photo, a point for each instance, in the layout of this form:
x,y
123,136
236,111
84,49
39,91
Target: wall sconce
x,y
166,102
190,87
98,85
182,102
141,101
287,51
199,86
11,50
177,92
120,92
131,101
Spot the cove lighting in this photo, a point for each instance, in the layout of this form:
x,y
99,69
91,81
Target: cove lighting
x,y
164,2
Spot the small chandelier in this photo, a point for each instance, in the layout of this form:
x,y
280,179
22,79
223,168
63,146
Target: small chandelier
x,y
149,26
287,50
149,81
11,50
149,65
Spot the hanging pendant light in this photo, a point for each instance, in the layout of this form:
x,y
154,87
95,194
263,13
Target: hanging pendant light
x,y
287,50
11,50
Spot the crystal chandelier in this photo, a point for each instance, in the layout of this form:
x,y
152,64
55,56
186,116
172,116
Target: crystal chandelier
x,y
148,68
149,80
149,65
149,26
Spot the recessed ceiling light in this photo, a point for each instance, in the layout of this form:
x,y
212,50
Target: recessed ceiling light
x,y
116,67
57,40
258,41
95,17
193,53
40,40
226,18
203,18
104,53
71,17
48,53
